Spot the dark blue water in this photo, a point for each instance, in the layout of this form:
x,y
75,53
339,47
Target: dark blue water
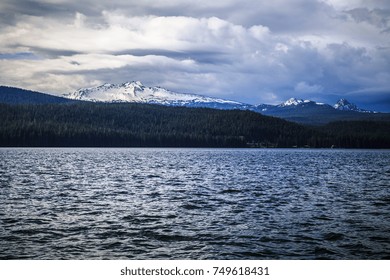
x,y
194,204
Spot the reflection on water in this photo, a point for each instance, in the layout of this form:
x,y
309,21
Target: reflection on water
x,y
194,204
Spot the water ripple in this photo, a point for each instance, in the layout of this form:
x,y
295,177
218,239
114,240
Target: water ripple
x,y
194,204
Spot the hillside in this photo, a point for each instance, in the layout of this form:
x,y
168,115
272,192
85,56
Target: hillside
x,y
141,125
146,125
11,95
359,134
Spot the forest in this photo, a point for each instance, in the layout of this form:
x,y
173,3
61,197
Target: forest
x,y
144,125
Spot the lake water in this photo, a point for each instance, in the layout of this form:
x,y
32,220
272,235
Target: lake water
x,y
194,204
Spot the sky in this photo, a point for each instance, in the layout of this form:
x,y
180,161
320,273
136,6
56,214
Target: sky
x,y
244,50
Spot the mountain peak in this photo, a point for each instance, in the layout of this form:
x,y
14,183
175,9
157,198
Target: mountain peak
x,y
293,102
135,84
344,105
342,102
135,91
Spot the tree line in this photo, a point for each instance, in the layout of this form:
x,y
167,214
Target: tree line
x,y
145,125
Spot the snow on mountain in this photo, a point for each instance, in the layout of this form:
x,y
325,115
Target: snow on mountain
x,y
291,102
296,102
137,92
263,107
344,105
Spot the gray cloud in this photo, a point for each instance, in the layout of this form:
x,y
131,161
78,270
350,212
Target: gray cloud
x,y
243,50
377,17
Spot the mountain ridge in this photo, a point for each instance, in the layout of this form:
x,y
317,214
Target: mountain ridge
x,y
135,91
296,110
12,95
138,93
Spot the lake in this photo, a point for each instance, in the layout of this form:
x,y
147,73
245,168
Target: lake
x,y
102,203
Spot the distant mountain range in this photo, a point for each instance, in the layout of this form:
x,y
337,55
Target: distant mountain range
x,y
313,113
137,92
297,110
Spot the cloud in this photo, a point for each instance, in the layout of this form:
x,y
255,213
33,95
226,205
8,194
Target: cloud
x,y
120,33
250,52
351,4
74,46
303,87
377,17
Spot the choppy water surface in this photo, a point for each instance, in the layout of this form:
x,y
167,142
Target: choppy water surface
x,y
194,204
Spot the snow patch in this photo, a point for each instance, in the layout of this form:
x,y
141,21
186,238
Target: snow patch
x,y
136,92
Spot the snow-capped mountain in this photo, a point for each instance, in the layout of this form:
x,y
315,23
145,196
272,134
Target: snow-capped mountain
x,y
297,110
138,93
345,105
311,112
293,102
297,102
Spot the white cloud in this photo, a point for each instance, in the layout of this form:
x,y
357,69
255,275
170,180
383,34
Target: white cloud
x,y
121,33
